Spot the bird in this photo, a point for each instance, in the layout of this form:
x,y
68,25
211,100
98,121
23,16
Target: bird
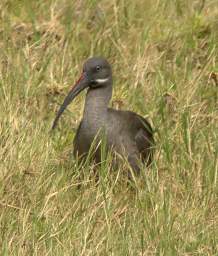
x,y
126,133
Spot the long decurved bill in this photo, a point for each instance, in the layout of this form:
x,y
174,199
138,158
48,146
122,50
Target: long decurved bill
x,y
81,84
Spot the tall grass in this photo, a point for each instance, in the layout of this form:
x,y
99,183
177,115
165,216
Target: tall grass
x,y
164,57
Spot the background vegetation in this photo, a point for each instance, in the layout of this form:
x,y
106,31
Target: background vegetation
x,y
164,57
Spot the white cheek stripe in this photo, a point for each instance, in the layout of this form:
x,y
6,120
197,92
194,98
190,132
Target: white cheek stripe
x,y
102,80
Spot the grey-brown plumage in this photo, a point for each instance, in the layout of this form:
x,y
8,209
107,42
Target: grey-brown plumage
x,y
125,132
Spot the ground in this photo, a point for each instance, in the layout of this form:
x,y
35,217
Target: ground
x,y
164,58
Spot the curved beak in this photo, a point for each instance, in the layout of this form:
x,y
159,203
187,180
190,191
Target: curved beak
x,y
80,85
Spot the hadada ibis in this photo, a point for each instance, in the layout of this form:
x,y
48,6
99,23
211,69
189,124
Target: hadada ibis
x,y
127,133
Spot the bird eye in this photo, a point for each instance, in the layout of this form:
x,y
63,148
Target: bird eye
x,y
98,68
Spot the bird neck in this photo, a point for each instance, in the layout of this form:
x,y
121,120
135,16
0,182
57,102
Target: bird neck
x,y
96,104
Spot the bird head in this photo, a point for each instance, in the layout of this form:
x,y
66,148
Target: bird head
x,y
96,73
